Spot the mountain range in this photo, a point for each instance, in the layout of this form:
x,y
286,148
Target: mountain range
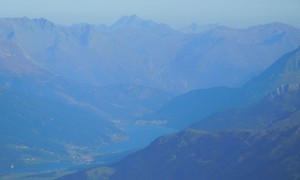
x,y
137,51
47,119
190,107
258,141
72,94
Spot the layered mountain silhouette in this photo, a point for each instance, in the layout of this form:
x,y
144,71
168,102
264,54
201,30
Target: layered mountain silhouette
x,y
259,141
41,121
197,104
48,119
193,154
195,28
71,94
137,51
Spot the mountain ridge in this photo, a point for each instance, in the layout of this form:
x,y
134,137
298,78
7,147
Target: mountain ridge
x,y
155,55
59,81
200,103
267,148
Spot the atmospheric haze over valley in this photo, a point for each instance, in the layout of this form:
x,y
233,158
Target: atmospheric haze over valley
x,y
139,99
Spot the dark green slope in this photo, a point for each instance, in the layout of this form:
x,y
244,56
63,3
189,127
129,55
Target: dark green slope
x,y
194,154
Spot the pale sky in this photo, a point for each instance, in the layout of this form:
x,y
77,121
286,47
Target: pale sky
x,y
176,13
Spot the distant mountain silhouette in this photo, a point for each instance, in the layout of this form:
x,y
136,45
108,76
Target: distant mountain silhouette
x,y
137,51
69,94
48,118
259,141
195,28
195,105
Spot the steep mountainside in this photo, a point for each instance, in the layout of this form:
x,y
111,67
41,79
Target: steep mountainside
x,y
39,126
193,154
137,51
195,105
185,109
70,94
50,121
269,112
227,56
260,141
285,70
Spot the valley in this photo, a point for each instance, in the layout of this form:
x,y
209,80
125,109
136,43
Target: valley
x,y
257,141
86,99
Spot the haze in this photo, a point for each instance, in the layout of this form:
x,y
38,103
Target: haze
x,y
177,13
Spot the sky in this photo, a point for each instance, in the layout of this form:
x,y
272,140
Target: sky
x,y
176,13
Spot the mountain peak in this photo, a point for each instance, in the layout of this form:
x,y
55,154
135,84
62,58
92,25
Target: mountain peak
x,y
134,22
194,28
127,21
275,26
132,17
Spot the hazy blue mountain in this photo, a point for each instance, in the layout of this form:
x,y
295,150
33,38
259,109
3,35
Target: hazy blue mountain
x,y
269,112
285,70
98,56
185,109
40,122
227,56
279,84
135,23
143,52
196,29
258,142
234,152
66,92
195,105
50,121
43,124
